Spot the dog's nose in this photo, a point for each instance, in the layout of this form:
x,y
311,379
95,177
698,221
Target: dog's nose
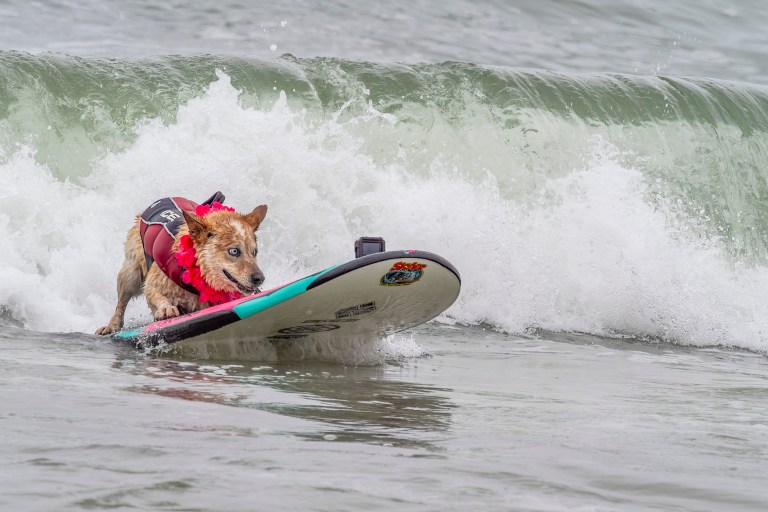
x,y
257,278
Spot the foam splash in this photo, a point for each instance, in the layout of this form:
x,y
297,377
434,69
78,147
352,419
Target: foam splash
x,y
585,247
597,256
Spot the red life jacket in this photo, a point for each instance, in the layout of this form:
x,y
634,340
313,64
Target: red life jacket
x,y
158,228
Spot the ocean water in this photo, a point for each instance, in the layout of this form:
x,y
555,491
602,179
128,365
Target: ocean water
x,y
596,170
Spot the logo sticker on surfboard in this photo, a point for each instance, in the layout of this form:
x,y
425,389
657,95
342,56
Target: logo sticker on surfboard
x,y
403,273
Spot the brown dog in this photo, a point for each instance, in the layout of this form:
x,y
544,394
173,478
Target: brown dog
x,y
221,243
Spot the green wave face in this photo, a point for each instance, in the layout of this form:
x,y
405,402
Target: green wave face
x,y
699,143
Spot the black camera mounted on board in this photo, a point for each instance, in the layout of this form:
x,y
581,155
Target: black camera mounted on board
x,y
366,245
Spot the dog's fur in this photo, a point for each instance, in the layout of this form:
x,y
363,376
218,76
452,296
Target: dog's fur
x,y
213,236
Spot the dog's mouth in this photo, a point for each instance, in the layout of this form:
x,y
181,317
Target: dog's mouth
x,y
245,289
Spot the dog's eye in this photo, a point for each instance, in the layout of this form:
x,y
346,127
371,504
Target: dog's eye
x,y
255,252
234,251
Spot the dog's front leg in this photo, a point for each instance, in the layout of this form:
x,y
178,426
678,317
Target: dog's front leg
x,y
162,295
161,306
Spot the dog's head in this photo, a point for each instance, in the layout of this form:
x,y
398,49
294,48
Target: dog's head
x,y
225,245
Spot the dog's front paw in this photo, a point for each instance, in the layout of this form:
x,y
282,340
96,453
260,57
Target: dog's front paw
x,y
166,312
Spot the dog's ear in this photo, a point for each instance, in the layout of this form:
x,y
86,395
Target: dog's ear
x,y
198,228
256,216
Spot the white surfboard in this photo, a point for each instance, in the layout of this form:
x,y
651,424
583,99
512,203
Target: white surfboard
x,y
367,298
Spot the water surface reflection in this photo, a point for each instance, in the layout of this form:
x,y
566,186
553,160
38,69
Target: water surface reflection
x,y
356,404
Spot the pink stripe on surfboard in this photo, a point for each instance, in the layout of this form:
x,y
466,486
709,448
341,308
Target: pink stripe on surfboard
x,y
213,309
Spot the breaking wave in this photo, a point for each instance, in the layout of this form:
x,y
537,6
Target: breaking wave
x,y
608,204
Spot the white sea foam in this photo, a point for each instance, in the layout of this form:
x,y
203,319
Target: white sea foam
x,y
580,249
